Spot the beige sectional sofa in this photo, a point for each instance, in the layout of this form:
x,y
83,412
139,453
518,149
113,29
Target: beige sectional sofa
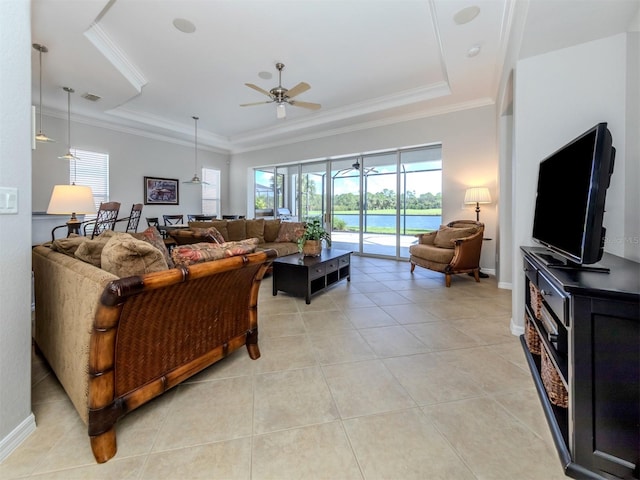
x,y
271,234
117,342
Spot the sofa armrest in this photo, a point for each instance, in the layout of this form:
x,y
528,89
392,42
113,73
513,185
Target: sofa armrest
x,y
467,252
67,293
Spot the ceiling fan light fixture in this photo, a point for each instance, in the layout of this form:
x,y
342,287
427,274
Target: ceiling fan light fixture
x,y
195,180
281,111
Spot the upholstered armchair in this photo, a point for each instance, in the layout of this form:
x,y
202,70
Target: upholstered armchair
x,y
454,248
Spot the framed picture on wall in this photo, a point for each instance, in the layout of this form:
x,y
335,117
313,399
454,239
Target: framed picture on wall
x,y
161,191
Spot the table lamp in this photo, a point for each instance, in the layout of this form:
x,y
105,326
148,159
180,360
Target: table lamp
x,y
70,200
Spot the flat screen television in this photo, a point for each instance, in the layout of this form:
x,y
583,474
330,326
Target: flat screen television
x,y
570,200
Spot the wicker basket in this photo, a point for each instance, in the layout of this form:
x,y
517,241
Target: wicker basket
x,y
531,336
535,300
312,248
552,382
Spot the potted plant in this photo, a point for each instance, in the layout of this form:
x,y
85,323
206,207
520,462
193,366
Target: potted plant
x,y
310,243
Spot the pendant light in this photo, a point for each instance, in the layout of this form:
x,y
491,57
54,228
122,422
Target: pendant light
x,y
68,155
196,179
41,137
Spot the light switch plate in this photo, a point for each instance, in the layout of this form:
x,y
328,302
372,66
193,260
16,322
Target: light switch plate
x,y
8,200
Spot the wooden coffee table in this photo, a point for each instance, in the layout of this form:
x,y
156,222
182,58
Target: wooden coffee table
x,y
305,276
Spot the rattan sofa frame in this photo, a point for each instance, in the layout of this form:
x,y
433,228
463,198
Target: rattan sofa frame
x,y
149,332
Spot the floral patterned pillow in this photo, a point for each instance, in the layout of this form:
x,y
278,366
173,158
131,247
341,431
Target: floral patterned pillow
x,y
290,231
185,255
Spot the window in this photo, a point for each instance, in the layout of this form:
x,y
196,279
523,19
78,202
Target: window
x,y
91,169
211,192
264,181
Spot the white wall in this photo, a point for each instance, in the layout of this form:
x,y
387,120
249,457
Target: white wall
x,y
469,158
558,96
632,200
131,158
16,420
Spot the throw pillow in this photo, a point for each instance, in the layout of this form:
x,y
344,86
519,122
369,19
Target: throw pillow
x,y
153,237
185,255
271,229
69,245
290,231
125,256
255,229
446,235
196,235
237,230
90,251
220,225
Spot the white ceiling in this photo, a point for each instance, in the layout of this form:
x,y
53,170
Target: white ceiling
x,y
367,61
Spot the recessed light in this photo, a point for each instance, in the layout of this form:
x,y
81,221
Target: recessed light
x,y
265,75
473,51
185,26
466,15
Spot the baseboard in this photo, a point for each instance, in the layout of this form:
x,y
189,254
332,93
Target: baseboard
x,y
505,285
19,434
488,271
516,330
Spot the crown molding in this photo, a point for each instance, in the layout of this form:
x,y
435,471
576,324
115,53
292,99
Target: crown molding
x,y
391,120
395,100
107,47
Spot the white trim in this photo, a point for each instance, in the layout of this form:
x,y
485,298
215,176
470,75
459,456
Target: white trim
x,y
516,330
505,285
18,435
101,40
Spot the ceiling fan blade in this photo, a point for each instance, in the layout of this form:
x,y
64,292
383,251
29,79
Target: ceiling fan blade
x,y
255,103
258,89
309,105
298,89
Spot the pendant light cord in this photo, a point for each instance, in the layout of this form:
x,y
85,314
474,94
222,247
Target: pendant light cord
x,y
196,123
40,50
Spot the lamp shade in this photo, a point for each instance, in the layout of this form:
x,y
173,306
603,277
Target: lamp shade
x,y
477,195
70,199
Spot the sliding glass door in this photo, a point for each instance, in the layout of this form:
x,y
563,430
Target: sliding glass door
x,y
374,204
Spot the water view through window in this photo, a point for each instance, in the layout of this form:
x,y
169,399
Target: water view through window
x,y
374,204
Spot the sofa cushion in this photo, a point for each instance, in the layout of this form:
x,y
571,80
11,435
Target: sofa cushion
x,y
290,231
271,229
255,229
153,237
125,256
281,248
237,230
446,235
434,254
185,255
69,245
90,251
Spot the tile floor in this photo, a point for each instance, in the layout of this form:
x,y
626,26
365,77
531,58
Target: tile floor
x,y
390,376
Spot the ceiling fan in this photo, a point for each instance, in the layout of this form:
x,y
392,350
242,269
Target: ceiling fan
x,y
282,96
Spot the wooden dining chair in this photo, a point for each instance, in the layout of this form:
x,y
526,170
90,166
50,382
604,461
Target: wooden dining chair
x,y
105,219
134,218
173,219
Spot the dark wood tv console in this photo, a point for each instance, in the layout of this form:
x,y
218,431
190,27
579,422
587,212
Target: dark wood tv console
x,y
595,352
